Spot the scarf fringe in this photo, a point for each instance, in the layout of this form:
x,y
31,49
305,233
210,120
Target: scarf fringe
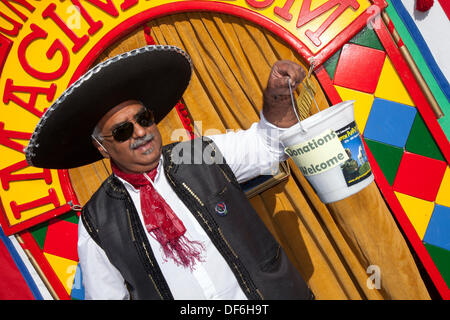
x,y
182,251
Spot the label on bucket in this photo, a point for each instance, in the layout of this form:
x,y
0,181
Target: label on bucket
x,y
357,167
319,154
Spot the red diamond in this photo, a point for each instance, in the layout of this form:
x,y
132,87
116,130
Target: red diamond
x,y
359,68
419,176
61,239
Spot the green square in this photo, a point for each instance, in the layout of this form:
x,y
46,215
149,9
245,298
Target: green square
x,y
420,141
388,158
331,63
368,38
71,216
441,258
39,232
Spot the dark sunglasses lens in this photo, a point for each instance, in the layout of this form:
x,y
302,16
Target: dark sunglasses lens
x,y
145,118
123,132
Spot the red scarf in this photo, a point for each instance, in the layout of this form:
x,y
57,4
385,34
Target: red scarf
x,y
160,220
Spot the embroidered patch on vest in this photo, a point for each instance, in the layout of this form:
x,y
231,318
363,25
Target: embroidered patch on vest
x,y
221,209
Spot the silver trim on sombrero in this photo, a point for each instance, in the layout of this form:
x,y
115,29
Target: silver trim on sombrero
x,y
32,145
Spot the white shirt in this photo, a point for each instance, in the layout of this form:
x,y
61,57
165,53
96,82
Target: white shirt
x,y
249,153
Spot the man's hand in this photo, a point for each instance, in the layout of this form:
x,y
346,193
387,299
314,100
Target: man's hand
x,y
282,72
277,107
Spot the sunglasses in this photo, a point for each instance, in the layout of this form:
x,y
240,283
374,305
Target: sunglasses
x,y
124,131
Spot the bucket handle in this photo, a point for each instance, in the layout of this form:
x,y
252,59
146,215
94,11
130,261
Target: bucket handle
x,y
294,107
311,68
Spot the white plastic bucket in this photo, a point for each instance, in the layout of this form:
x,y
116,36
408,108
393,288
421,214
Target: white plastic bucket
x,y
319,155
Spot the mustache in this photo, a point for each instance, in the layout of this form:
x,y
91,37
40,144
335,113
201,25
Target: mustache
x,y
141,141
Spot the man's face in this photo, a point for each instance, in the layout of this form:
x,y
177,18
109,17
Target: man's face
x,y
142,151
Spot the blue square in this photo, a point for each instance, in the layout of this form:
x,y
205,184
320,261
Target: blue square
x,y
77,292
389,122
438,230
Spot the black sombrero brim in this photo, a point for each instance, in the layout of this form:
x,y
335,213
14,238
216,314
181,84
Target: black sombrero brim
x,y
154,75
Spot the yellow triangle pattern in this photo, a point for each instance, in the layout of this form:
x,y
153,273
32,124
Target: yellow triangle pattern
x,y
390,86
418,211
363,104
443,196
64,268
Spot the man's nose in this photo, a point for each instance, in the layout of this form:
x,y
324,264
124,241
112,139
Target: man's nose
x,y
139,131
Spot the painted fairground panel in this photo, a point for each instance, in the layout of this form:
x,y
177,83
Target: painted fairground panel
x,y
412,171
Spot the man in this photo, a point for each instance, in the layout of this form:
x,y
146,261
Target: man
x,y
171,222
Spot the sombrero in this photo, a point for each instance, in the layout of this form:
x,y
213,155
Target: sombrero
x,y
155,75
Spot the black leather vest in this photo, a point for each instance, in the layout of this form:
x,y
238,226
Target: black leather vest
x,y
260,265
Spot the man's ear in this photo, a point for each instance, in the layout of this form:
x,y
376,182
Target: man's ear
x,y
100,147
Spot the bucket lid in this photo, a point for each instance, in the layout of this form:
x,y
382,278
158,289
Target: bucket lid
x,y
326,114
315,119
321,116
